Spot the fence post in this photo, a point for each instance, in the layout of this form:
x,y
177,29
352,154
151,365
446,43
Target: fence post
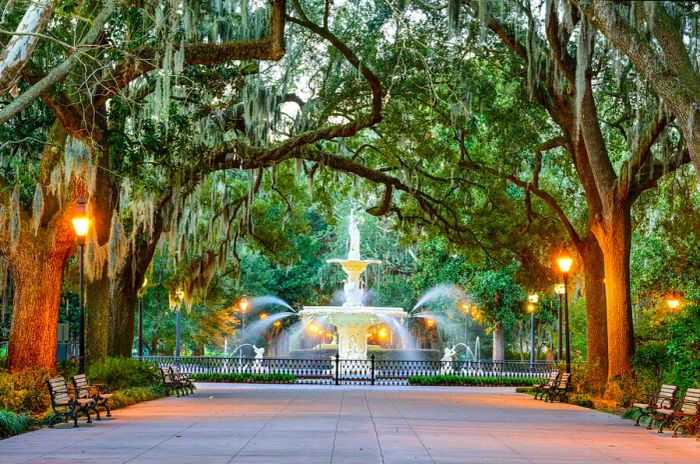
x,y
337,368
371,359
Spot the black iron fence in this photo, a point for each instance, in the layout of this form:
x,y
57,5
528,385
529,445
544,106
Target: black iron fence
x,y
353,371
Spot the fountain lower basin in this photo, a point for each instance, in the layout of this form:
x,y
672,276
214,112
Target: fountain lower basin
x,y
352,324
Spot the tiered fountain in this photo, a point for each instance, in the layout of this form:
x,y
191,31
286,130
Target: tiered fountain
x,y
353,319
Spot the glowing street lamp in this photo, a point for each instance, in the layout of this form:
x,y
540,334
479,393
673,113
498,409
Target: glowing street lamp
x,y
81,224
673,301
565,263
559,289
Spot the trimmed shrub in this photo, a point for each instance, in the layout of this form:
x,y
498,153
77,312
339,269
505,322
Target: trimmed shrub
x,y
121,373
25,391
12,423
456,380
245,378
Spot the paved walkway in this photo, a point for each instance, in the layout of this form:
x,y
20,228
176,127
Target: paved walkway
x,y
306,424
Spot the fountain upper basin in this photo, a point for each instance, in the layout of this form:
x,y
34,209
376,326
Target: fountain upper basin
x,y
358,314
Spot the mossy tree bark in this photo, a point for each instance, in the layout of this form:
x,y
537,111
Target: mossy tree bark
x,y
37,259
37,267
596,313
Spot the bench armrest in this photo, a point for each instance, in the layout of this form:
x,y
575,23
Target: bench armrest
x,y
680,403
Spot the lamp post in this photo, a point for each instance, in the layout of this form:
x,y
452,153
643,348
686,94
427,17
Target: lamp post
x,y
81,224
180,296
565,263
141,292
243,303
465,312
533,299
559,289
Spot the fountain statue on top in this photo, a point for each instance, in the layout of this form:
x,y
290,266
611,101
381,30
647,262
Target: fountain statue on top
x,y
354,267
353,319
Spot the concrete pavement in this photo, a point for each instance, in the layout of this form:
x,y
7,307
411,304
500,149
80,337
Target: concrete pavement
x,y
224,423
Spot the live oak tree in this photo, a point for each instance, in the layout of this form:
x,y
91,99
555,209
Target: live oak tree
x,y
77,160
613,170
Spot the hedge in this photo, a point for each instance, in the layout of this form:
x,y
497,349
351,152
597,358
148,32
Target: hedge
x,y
245,378
456,380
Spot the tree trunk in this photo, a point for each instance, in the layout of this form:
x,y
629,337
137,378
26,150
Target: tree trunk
x,y
96,318
596,317
37,272
499,348
123,300
615,238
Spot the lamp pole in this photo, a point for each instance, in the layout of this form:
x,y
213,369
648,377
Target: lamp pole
x,y
566,317
533,299
559,329
140,346
532,338
81,308
559,290
141,295
81,224
180,297
565,263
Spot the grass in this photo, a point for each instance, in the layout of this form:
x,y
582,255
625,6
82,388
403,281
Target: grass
x,y
456,380
245,378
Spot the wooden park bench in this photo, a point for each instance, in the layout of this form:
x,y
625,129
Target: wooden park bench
x,y
685,413
186,384
170,383
664,398
561,389
97,392
65,405
542,388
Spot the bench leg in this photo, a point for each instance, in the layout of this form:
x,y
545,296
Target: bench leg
x,y
639,418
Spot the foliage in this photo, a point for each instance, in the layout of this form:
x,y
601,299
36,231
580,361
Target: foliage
x,y
25,391
498,295
121,373
456,380
683,362
12,423
132,395
245,377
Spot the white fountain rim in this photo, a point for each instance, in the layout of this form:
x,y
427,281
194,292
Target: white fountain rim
x,y
354,309
361,261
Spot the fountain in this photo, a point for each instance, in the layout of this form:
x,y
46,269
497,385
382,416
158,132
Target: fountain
x,y
353,319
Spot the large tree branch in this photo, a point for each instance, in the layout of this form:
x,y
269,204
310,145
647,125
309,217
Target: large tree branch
x,y
606,17
61,71
529,187
19,49
143,60
641,155
654,170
